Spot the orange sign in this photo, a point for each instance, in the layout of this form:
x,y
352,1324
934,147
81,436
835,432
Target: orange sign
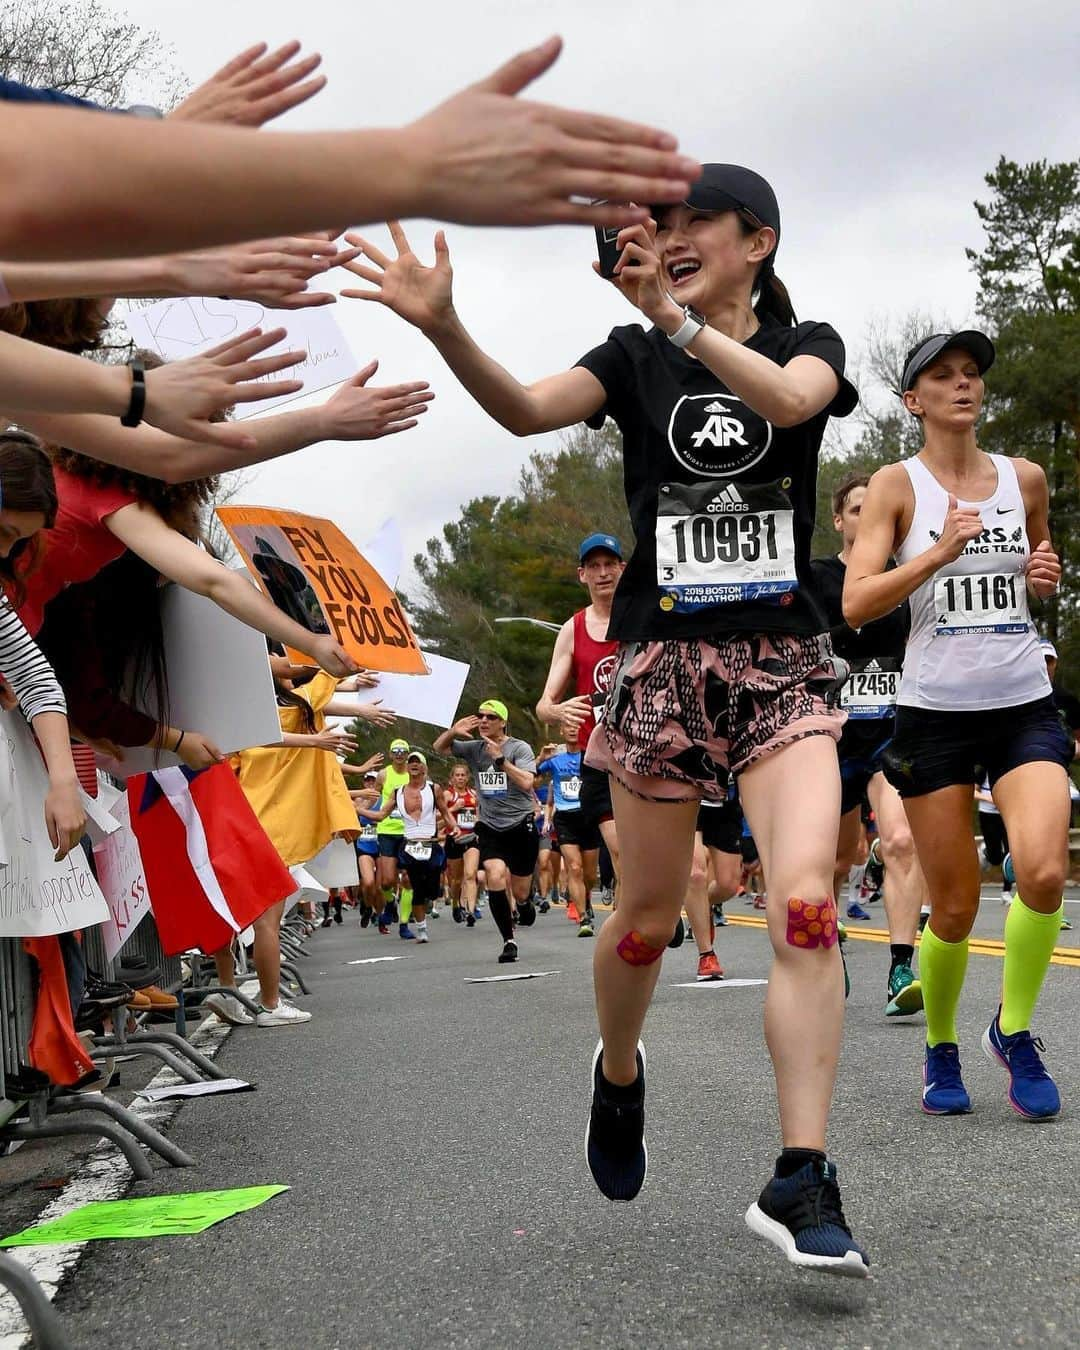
x,y
316,576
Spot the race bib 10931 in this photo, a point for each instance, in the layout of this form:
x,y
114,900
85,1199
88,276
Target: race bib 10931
x,y
721,542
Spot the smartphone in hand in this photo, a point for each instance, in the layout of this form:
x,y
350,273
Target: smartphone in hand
x,y
607,246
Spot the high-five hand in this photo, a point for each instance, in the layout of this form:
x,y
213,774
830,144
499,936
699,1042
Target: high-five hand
x,y
421,295
494,159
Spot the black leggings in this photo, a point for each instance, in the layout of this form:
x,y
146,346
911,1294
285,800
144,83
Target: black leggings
x,y
995,840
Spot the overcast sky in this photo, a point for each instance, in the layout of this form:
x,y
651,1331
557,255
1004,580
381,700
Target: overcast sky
x,y
874,123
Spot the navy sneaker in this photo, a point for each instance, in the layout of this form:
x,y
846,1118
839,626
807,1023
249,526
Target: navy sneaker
x,y
943,1091
856,911
615,1140
1033,1094
803,1216
405,932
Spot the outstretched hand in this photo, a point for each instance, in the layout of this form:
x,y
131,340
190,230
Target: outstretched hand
x,y
489,158
182,395
421,295
271,272
359,412
253,88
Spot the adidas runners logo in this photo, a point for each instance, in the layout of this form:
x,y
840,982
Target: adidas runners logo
x,y
729,499
715,408
872,666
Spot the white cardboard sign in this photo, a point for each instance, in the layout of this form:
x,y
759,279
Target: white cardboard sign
x,y
38,896
219,680
430,698
186,326
120,873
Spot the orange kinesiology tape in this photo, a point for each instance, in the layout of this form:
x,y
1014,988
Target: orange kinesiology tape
x,y
811,925
635,951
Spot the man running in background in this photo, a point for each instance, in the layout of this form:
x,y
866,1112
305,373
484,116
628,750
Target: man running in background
x,y
579,839
503,768
583,661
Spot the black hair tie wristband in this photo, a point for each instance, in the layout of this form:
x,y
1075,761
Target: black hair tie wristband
x,y
137,405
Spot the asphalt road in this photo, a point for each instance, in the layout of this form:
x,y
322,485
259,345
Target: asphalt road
x,y
431,1133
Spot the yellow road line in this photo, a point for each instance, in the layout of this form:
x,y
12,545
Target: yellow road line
x,y
1063,956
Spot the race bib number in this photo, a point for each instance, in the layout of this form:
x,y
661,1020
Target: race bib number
x,y
871,689
571,788
368,832
466,818
990,602
717,543
418,852
492,782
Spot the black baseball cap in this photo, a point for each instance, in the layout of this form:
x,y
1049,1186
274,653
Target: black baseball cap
x,y
732,187
930,348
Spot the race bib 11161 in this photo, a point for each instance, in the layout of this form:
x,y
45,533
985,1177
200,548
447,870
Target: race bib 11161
x,y
989,602
721,542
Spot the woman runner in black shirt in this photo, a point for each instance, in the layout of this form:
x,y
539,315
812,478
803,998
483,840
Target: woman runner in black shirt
x,y
722,406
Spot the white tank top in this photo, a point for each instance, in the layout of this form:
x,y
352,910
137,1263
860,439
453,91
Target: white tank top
x,y
425,827
972,643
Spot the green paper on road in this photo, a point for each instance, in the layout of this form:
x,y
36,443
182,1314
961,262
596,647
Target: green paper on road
x,y
151,1216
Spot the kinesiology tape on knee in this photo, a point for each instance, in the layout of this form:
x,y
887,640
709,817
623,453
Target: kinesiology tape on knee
x,y
635,951
810,925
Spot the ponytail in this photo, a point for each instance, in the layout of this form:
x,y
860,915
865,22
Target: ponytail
x,y
773,301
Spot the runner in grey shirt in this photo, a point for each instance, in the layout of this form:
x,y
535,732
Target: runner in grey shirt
x,y
505,769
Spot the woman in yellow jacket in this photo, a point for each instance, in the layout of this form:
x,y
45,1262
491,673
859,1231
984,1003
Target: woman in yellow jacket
x,y
298,791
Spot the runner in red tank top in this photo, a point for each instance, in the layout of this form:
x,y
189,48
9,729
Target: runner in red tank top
x,y
584,661
462,849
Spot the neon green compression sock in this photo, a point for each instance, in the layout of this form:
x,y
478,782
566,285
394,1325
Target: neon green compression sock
x,y
942,967
1030,939
405,905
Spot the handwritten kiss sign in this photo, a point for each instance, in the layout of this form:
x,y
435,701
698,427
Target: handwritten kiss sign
x,y
312,572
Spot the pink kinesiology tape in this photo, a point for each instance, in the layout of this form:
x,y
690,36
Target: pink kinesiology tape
x,y
810,925
635,951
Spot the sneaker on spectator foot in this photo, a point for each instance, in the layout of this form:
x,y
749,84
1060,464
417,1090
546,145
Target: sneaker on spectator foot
x,y
229,1008
803,1216
282,1016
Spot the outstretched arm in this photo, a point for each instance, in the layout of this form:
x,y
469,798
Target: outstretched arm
x,y
423,296
80,184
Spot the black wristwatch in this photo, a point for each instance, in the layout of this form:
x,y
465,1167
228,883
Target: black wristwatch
x,y
498,762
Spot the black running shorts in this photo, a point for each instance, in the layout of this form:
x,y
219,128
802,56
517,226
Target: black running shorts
x,y
932,750
577,830
518,847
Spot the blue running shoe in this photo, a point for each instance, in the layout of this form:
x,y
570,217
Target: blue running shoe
x,y
802,1215
856,911
943,1091
1033,1094
405,932
615,1140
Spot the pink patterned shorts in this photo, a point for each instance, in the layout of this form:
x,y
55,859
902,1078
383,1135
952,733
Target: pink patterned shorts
x,y
682,716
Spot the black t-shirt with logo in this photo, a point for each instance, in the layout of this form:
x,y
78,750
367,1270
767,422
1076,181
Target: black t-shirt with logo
x,y
722,502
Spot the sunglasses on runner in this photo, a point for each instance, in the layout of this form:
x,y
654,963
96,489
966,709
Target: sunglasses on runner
x,y
488,717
